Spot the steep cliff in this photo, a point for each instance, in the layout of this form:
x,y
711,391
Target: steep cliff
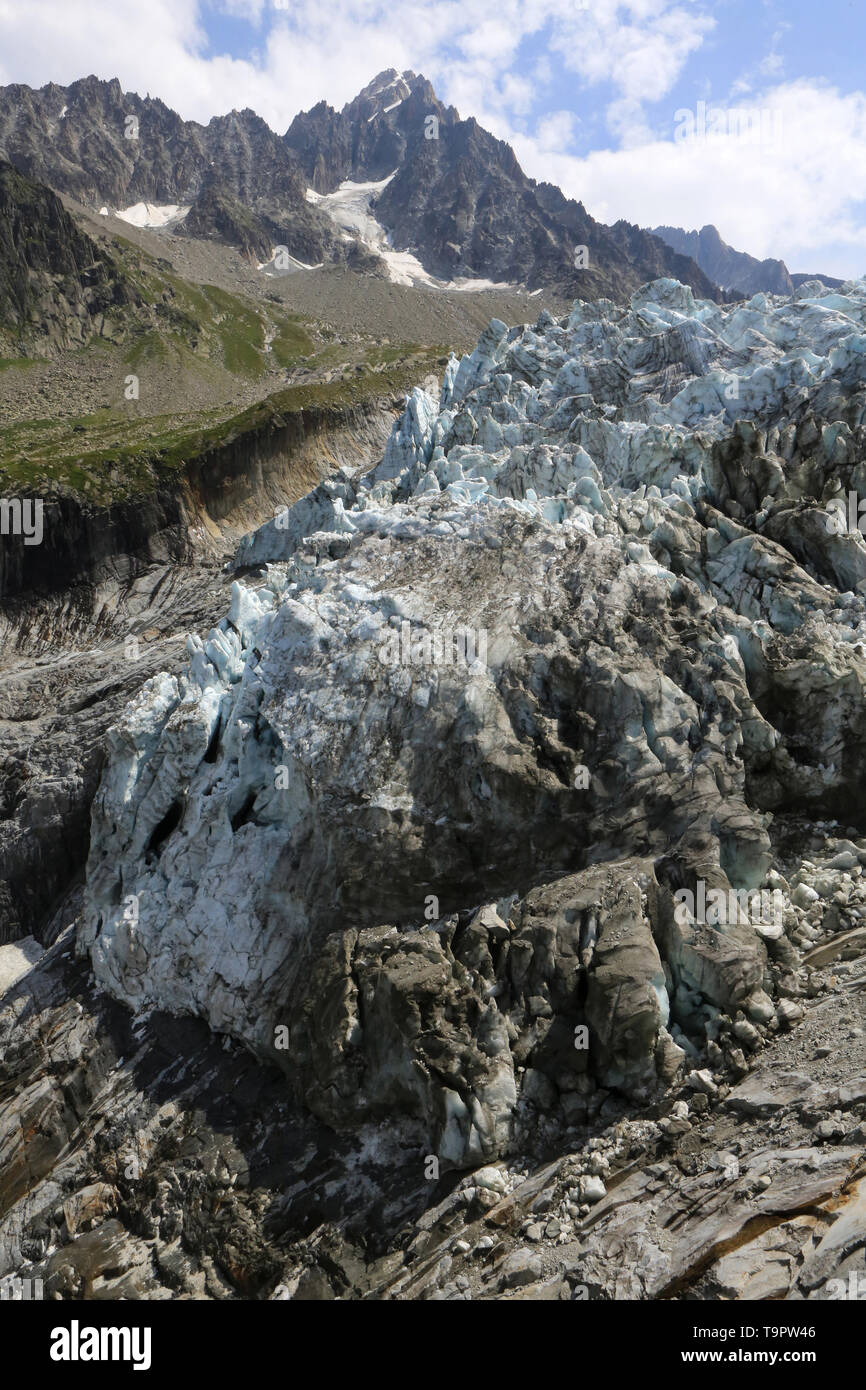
x,y
57,288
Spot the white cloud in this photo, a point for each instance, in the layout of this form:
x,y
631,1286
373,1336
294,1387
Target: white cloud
x,y
555,131
640,48
310,51
772,65
803,199
251,10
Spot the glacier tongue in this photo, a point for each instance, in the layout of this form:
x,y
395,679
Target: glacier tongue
x,y
584,625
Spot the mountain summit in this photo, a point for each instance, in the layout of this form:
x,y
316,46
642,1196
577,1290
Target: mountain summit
x,y
733,270
458,198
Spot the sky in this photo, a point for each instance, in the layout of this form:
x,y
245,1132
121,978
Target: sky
x,y
750,114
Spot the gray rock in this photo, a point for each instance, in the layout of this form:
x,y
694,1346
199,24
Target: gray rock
x,y
519,1268
767,1091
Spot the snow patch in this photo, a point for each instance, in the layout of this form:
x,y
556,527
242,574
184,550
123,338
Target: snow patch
x,y
152,214
465,283
15,961
285,264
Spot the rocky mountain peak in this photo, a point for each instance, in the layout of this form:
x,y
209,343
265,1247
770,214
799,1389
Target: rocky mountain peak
x,y
388,86
459,200
733,270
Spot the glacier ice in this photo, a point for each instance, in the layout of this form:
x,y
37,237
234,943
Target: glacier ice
x,y
630,504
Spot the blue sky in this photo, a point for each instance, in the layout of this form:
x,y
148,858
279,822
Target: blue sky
x,y
592,93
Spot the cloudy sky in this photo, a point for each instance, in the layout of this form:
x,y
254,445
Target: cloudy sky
x,y
747,113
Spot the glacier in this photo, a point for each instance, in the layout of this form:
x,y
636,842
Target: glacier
x,y
398,867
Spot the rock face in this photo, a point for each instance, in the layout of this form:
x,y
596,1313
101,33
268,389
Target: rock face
x,y
217,215
733,270
57,288
433,815
142,1159
453,1024
120,1193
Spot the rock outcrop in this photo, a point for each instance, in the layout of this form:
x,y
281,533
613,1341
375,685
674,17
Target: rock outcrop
x,y
58,289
